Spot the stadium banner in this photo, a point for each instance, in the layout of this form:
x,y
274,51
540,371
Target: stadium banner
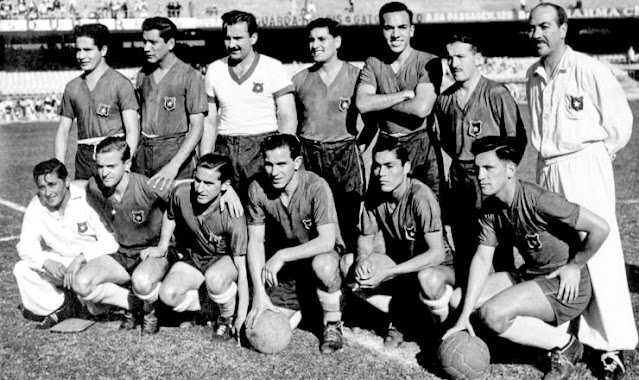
x,y
290,21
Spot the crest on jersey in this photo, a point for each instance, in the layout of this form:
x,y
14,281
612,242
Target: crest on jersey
x,y
258,87
83,227
409,233
308,223
344,103
534,242
103,110
475,128
576,102
169,103
138,216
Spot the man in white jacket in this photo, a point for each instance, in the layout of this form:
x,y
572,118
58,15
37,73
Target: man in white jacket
x,y
72,233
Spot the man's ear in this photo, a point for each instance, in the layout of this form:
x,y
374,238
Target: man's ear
x,y
298,162
408,167
225,185
127,165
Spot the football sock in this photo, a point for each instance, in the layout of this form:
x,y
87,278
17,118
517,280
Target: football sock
x,y
111,294
439,307
331,305
191,302
150,299
536,333
226,301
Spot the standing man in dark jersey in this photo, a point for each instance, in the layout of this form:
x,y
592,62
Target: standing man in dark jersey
x,y
400,86
101,100
173,103
472,108
328,122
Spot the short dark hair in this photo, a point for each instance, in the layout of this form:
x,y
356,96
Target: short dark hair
x,y
98,32
235,17
217,162
114,143
505,147
163,25
562,16
386,145
281,140
465,39
394,6
334,29
50,166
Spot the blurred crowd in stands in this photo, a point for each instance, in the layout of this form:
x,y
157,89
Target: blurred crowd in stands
x,y
61,9
29,108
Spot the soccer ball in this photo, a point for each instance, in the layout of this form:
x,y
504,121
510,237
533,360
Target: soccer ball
x,y
271,333
464,357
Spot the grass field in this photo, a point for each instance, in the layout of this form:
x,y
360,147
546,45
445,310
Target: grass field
x,y
102,352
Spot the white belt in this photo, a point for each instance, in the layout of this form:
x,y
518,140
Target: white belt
x,y
95,141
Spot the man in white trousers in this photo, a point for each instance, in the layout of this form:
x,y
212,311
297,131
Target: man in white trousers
x,y
60,217
580,120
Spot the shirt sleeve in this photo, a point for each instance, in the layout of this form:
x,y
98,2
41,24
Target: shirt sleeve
x,y
323,204
173,206
428,213
29,247
432,73
237,230
196,98
555,209
367,75
126,96
66,105
505,110
281,80
610,100
487,234
208,84
369,222
255,215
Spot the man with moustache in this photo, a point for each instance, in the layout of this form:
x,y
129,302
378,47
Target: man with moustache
x,y
400,86
472,108
173,103
250,96
102,101
580,121
328,122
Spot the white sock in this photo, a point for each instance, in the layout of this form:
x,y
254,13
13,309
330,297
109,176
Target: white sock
x,y
226,301
331,305
150,299
536,333
109,293
439,308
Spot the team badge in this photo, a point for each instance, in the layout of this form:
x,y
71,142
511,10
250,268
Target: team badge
x,y
534,242
475,128
308,223
169,103
576,102
83,227
258,87
103,110
344,103
409,233
138,216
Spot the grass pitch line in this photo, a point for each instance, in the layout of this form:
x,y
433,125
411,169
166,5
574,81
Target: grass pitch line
x,y
8,238
13,206
405,355
629,201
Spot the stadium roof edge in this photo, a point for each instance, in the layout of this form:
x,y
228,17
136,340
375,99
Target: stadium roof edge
x,y
289,21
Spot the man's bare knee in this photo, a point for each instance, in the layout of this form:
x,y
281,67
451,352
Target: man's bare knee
x,y
432,282
494,317
217,281
142,283
83,284
346,263
170,294
326,268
